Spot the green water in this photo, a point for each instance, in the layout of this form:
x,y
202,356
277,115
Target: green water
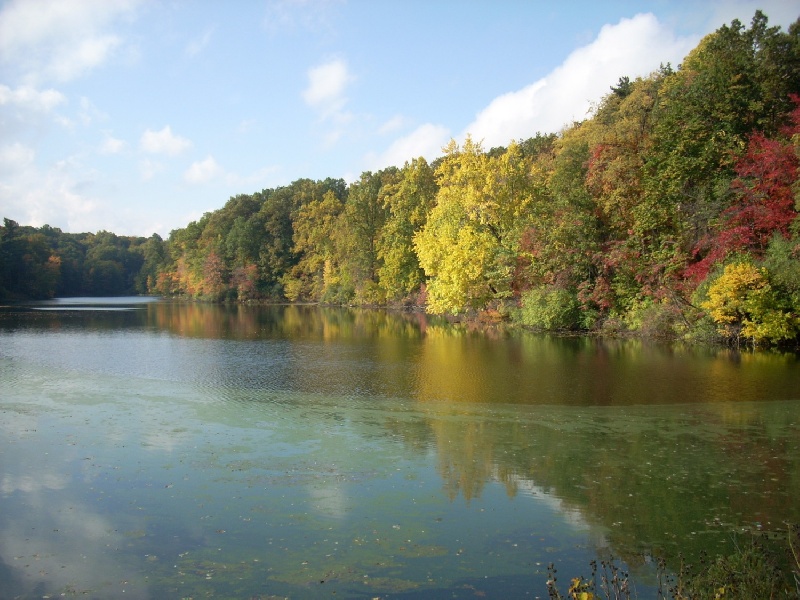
x,y
155,450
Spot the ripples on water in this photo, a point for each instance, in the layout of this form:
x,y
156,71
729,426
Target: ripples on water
x,y
248,451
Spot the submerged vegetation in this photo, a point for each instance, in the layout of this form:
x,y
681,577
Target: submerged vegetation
x,y
671,211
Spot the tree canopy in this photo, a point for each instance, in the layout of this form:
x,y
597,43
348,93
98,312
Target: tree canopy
x,y
674,203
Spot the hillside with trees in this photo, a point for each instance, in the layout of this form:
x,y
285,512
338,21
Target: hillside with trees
x,y
672,210
43,262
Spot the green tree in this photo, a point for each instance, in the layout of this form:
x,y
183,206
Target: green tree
x,y
72,252
154,254
736,81
408,202
104,278
641,253
276,256
562,238
315,225
30,268
184,272
358,237
110,265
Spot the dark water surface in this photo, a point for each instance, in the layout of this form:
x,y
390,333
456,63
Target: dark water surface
x,y
157,450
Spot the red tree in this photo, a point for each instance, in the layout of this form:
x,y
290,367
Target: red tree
x,y
764,203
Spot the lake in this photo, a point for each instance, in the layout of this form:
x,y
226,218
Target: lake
x,y
162,450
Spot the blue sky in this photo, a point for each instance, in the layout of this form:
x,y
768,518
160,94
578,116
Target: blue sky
x,y
138,116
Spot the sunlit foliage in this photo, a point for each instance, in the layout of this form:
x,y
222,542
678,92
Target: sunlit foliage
x,y
617,222
744,304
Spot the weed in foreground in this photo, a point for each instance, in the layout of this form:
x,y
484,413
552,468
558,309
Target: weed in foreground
x,y
609,582
751,572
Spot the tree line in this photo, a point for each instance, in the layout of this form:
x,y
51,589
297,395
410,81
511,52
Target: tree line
x,y
673,209
43,262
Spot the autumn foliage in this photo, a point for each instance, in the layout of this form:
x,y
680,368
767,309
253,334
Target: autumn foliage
x,y
764,202
672,209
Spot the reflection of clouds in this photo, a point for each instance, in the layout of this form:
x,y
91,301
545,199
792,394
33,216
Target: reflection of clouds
x,y
116,434
570,514
17,424
329,500
31,483
32,545
167,439
52,541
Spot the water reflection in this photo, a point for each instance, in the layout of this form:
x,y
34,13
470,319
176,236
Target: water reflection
x,y
438,361
357,352
294,444
51,538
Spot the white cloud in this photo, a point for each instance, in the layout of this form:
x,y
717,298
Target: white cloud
x,y
30,98
246,125
112,145
90,113
260,177
25,110
59,39
84,56
55,195
149,169
326,87
779,12
196,46
16,157
202,171
326,94
65,194
426,140
633,47
396,123
330,138
164,142
287,15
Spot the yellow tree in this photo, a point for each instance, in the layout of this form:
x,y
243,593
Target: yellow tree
x,y
314,228
743,303
470,242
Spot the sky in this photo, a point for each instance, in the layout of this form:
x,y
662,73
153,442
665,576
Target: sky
x,y
139,116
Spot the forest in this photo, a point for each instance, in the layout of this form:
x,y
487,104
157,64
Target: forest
x,y
671,211
43,262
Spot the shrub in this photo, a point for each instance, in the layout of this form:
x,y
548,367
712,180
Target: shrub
x,y
549,307
743,303
655,319
749,573
746,574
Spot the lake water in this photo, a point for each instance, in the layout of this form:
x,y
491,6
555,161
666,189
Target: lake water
x,y
154,450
